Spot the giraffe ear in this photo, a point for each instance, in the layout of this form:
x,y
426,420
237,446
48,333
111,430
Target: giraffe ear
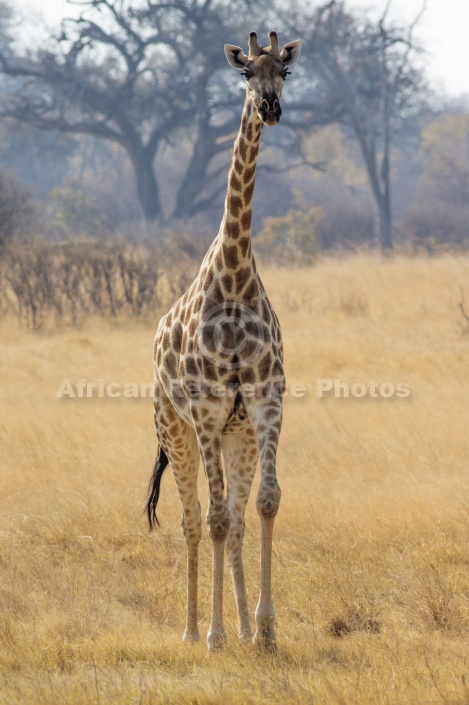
x,y
236,58
291,52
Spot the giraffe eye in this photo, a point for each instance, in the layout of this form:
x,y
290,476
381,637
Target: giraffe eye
x,y
285,74
247,75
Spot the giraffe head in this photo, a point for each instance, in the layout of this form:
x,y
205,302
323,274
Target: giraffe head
x,y
265,70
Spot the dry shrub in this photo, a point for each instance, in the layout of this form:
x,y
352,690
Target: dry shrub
x,y
68,282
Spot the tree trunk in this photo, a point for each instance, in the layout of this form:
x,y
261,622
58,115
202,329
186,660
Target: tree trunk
x,y
196,173
385,226
147,186
381,190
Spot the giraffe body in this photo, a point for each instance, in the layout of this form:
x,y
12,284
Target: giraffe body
x,y
219,375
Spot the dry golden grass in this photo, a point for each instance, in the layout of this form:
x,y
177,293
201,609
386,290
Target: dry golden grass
x,y
371,571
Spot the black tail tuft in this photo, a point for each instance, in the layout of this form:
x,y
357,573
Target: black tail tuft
x,y
154,488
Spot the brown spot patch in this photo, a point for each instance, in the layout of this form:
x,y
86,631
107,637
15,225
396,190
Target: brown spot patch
x,y
253,152
247,376
246,220
265,312
234,205
252,291
232,229
277,369
244,245
242,149
209,426
249,173
249,132
248,192
198,303
235,183
170,365
208,337
230,255
264,367
242,277
210,372
208,280
191,366
238,167
227,281
176,337
216,297
186,314
171,414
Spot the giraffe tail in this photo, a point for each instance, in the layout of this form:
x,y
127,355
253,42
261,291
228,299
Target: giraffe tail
x,y
154,488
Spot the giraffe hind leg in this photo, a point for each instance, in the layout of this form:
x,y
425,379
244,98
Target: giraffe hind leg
x,y
186,469
182,453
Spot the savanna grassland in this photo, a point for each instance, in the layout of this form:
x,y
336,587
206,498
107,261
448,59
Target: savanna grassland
x,y
371,555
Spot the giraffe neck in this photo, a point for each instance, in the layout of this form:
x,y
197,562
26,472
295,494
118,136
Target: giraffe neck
x,y
235,231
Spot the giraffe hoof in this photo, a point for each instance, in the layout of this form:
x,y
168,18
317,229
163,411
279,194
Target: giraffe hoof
x,y
245,637
265,642
216,640
191,637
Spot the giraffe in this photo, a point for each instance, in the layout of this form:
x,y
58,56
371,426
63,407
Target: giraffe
x,y
219,376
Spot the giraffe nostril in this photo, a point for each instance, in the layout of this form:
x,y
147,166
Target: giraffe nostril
x,y
270,104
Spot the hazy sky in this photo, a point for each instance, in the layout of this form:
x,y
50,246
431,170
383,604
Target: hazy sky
x,y
443,31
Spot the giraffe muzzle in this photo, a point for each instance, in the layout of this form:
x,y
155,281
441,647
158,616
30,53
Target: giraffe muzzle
x,y
270,111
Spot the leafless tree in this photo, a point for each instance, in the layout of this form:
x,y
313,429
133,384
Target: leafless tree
x,y
134,73
368,71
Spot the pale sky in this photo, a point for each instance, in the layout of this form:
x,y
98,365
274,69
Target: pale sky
x,y
443,30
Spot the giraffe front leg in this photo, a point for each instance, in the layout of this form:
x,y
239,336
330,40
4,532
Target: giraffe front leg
x,y
218,522
266,418
265,635
216,635
192,533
